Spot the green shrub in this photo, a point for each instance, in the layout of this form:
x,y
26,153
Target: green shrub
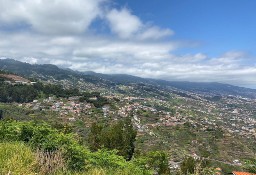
x,y
250,166
188,166
191,166
158,160
41,136
119,136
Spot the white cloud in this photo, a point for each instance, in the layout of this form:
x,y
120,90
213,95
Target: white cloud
x,y
62,41
126,25
30,60
51,16
234,54
230,58
129,51
105,55
155,33
123,22
12,11
190,58
55,33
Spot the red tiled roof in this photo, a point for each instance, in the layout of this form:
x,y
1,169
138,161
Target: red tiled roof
x,y
242,173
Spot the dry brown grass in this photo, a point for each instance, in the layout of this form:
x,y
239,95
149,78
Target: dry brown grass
x,y
50,162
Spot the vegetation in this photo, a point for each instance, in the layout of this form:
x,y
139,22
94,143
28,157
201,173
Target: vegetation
x,y
94,98
191,166
16,158
75,136
1,114
120,136
41,143
17,93
250,166
27,93
159,161
30,147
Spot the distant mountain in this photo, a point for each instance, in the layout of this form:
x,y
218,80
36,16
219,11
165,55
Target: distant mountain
x,y
111,80
47,70
211,88
122,78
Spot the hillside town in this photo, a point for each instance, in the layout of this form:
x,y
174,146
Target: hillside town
x,y
235,120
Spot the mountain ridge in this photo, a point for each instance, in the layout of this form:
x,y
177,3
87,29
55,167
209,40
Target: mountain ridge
x,y
110,80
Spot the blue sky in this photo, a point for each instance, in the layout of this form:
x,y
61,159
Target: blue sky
x,y
216,25
181,40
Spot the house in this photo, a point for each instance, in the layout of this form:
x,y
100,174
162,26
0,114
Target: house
x,y
242,173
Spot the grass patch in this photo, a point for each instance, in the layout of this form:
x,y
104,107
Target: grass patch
x,y
16,158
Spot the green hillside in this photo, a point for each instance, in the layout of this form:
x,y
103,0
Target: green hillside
x,y
68,125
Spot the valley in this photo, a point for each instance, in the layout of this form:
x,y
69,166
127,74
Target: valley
x,y
197,120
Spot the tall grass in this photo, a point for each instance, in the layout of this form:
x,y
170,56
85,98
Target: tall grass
x,y
50,162
16,159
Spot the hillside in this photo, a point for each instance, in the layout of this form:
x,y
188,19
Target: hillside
x,y
211,122
46,72
14,78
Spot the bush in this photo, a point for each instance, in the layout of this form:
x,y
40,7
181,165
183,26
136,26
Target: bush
x,y
191,166
188,166
158,160
41,136
120,136
250,166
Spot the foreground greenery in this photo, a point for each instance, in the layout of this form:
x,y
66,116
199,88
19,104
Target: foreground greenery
x,y
30,148
23,142
16,158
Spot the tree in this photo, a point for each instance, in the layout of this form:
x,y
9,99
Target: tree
x,y
120,136
188,166
158,160
1,114
191,166
94,137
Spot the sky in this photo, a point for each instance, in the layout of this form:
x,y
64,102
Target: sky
x,y
176,40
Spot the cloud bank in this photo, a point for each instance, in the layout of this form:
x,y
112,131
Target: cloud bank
x,y
67,33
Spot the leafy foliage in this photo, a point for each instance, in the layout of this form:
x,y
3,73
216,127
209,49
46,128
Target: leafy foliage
x,y
17,93
94,98
120,136
158,160
193,166
188,166
250,166
1,114
42,136
27,93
